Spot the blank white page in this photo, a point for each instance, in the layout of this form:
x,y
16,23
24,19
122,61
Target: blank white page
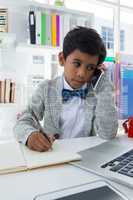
x,y
11,157
57,155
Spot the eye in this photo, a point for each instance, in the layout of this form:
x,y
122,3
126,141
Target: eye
x,y
76,64
91,67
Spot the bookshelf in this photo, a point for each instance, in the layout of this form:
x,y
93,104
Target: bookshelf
x,y
28,64
41,55
7,71
59,9
22,47
49,24
3,20
18,16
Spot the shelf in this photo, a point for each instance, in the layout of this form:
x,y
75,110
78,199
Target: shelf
x,y
7,40
59,9
33,48
33,3
7,34
8,105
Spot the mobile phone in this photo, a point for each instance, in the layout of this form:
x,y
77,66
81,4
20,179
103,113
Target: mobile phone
x,y
97,77
98,190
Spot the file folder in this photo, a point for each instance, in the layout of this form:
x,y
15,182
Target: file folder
x,y
32,27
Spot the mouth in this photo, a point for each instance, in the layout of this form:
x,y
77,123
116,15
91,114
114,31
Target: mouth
x,y
79,82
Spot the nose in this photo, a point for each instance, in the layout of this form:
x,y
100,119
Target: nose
x,y
81,73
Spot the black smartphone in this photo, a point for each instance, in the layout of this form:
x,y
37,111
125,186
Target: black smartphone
x,y
96,78
96,190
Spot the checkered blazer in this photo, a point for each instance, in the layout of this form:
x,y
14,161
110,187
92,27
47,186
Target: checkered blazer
x,y
46,104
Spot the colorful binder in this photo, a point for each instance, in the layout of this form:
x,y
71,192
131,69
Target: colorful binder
x,y
32,27
43,29
38,27
57,30
54,30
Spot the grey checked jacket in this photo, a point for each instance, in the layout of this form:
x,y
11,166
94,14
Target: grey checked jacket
x,y
46,104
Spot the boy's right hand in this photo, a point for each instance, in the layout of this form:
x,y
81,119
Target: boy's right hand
x,y
38,142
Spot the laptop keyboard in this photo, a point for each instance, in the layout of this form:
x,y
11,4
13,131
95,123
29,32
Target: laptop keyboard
x,y
122,164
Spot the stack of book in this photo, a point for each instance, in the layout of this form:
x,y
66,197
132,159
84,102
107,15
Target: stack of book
x,y
3,20
7,91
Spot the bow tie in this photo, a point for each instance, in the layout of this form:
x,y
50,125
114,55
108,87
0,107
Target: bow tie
x,y
69,94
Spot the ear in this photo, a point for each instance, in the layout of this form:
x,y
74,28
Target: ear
x,y
61,58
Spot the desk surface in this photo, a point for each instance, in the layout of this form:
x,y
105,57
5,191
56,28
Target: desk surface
x,y
26,185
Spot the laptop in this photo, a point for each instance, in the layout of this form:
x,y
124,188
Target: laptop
x,y
112,160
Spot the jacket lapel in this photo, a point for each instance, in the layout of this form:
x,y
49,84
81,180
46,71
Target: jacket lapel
x,y
55,100
90,104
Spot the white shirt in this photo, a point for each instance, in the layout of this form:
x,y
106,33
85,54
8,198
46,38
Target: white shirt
x,y
73,116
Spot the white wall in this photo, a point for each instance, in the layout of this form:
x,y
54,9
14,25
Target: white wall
x,y
128,38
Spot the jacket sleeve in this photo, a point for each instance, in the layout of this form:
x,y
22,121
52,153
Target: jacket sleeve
x,y
106,117
28,122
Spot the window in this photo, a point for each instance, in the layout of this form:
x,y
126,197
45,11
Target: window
x,y
108,38
122,40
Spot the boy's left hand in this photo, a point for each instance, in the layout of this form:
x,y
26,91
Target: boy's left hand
x,y
51,138
102,67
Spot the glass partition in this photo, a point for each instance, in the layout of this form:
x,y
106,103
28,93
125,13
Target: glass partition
x,y
126,60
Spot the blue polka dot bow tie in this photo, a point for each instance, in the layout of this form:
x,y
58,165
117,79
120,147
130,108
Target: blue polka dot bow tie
x,y
69,94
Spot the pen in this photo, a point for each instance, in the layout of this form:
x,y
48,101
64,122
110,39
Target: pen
x,y
41,130
46,136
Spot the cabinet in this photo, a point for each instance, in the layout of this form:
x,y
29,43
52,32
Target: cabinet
x,y
28,64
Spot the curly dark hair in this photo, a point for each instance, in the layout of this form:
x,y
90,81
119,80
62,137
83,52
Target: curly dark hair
x,y
86,40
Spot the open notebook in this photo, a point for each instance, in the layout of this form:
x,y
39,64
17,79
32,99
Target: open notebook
x,y
17,157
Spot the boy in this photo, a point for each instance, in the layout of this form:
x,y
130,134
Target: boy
x,y
68,105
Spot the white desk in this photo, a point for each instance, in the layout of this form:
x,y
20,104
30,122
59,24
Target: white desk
x,y
26,185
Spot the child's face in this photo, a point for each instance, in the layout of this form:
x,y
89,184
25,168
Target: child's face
x,y
79,67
